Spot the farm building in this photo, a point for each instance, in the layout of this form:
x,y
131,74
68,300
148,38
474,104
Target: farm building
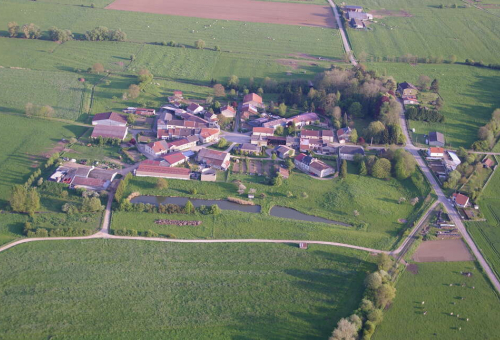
x,y
353,9
109,118
435,152
252,99
145,112
213,158
312,165
304,119
150,168
194,108
349,152
344,135
174,159
228,111
436,139
258,140
157,148
209,135
262,131
460,199
356,23
110,131
284,151
182,144
249,148
407,89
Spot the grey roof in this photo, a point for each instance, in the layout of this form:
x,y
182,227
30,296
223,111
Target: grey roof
x,y
407,85
351,150
358,15
353,7
435,136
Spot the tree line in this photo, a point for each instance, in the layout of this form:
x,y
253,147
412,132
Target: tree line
x,y
488,134
32,31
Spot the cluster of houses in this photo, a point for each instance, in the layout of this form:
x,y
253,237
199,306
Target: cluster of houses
x,y
81,176
356,16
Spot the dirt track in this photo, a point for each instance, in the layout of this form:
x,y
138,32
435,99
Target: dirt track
x,y
239,10
442,251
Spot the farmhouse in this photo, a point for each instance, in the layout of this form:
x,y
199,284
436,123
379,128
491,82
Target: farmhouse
x,y
275,123
360,16
150,168
192,118
258,140
175,133
194,108
110,131
312,165
344,135
88,183
228,111
250,148
213,158
327,136
284,151
182,144
174,159
406,89
210,116
488,163
304,119
356,23
84,177
460,200
306,134
157,148
252,99
436,139
209,135
435,152
262,131
109,118
349,152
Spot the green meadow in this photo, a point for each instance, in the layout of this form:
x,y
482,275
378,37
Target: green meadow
x,y
470,95
406,320
429,31
110,289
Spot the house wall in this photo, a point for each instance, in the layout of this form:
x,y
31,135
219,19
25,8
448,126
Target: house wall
x,y
108,122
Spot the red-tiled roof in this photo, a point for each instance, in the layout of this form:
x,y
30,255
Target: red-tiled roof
x,y
147,167
111,116
205,133
436,150
310,133
174,157
300,157
263,130
227,107
252,97
158,146
460,199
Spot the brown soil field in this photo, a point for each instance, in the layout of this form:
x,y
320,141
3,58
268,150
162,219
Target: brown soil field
x,y
239,10
442,251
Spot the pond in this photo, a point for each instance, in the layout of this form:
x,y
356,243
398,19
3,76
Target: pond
x,y
293,214
224,205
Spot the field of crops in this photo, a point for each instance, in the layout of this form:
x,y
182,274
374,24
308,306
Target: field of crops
x,y
133,289
60,90
470,95
432,285
426,30
24,140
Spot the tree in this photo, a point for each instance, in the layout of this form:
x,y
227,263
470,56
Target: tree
x,y
414,201
439,103
117,35
273,156
366,305
354,136
355,109
356,321
356,213
219,90
144,76
32,201
423,82
289,164
133,91
215,210
384,294
405,164
376,316
91,204
222,143
199,44
13,29
282,109
97,68
345,330
39,182
435,86
100,33
453,59
337,113
131,119
60,35
279,130
362,168
382,168
161,184
373,281
17,198
343,169
384,262
375,130
189,207
31,31
277,180
233,81
29,109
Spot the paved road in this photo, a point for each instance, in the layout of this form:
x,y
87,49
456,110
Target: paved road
x,y
343,34
235,137
452,212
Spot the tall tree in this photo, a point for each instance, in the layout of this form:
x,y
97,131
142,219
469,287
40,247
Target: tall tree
x,y
435,86
381,168
18,198
32,201
13,29
219,90
354,136
343,169
362,168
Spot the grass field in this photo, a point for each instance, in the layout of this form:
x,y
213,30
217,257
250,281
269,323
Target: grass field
x,y
60,90
375,200
110,289
11,227
431,285
430,31
487,234
470,96
24,140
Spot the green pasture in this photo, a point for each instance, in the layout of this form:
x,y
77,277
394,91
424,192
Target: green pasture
x,y
243,225
470,95
429,31
112,289
376,200
432,285
24,142
11,227
60,90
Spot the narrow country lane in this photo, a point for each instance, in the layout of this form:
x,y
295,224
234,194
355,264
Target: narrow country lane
x,y
343,34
